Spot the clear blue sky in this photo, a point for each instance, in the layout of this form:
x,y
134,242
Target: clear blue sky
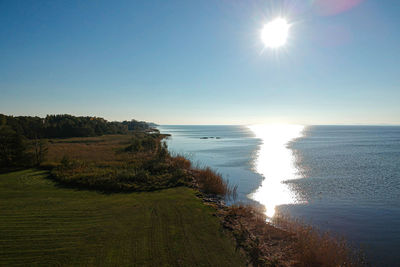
x,y
202,62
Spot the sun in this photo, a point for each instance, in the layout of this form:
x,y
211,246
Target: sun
x,y
275,33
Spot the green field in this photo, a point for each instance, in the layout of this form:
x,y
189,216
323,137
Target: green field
x,y
42,224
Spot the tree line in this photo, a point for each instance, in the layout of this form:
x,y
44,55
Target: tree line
x,y
21,137
64,126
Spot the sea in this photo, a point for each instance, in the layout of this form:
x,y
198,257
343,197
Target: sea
x,y
341,179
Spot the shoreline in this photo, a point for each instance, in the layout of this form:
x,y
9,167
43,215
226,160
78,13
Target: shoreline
x,y
240,222
276,240
281,241
141,162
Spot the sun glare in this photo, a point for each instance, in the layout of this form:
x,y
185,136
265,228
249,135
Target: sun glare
x,y
275,33
275,162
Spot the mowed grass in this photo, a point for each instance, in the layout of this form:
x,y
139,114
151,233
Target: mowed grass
x,y
42,224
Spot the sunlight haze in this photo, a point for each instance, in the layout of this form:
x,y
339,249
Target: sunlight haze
x,y
202,62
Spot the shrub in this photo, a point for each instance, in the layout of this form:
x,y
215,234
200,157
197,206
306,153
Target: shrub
x,y
49,165
286,241
163,151
211,182
40,150
181,162
13,149
151,175
135,146
143,143
316,248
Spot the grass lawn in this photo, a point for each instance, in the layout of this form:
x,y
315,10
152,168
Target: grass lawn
x,y
43,224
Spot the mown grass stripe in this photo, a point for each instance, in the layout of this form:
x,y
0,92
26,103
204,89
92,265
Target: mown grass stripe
x,y
45,225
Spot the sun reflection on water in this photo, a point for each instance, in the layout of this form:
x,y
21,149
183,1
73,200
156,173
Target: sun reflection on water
x,y
275,162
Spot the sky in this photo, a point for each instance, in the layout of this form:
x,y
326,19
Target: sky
x,y
202,62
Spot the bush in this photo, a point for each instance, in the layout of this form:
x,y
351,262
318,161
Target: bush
x,y
143,143
181,162
211,182
13,149
286,242
148,176
135,146
49,165
316,248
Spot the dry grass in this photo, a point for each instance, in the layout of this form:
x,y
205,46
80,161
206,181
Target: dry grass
x,y
90,149
211,182
181,162
137,162
286,242
316,248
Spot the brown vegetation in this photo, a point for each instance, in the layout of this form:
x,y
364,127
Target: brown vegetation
x,y
285,242
135,162
89,149
140,163
316,248
212,182
181,162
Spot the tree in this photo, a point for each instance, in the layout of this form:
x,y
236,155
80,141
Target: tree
x,y
40,150
64,126
12,148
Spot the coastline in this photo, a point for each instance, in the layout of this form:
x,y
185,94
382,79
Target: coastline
x,y
276,240
261,242
282,241
105,165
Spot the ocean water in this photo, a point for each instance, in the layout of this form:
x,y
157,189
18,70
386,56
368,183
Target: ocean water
x,y
344,179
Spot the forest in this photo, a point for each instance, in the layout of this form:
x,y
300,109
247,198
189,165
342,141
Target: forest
x,y
65,126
